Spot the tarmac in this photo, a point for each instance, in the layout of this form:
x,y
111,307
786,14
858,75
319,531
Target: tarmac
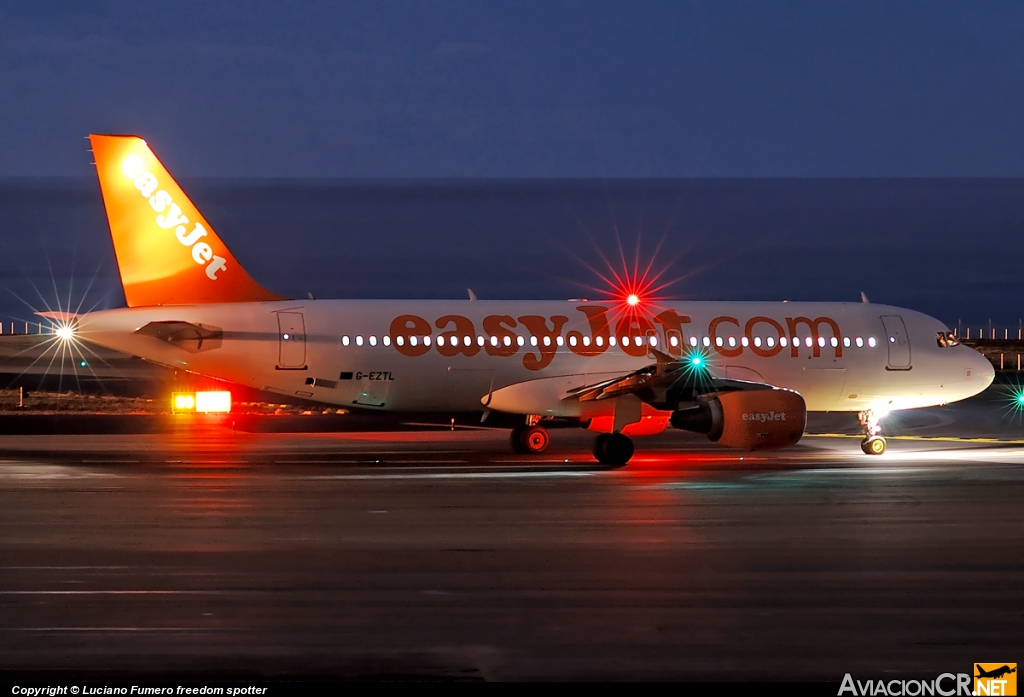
x,y
202,552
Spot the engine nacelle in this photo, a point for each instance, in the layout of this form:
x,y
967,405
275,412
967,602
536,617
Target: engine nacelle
x,y
751,420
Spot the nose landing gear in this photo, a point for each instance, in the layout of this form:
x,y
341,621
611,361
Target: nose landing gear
x,y
873,443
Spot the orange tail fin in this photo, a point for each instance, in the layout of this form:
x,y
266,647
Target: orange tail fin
x,y
166,251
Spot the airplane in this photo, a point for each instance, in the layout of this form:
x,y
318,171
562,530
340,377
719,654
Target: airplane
x,y
996,672
743,373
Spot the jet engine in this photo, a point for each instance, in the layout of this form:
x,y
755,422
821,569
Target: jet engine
x,y
747,419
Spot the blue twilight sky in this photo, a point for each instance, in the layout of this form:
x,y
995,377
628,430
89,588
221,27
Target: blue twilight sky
x,y
519,89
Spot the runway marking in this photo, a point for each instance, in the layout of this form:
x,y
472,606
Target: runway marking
x,y
107,462
75,568
424,462
115,629
122,592
444,475
943,439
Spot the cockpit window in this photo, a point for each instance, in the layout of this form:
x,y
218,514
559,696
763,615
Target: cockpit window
x,y
946,339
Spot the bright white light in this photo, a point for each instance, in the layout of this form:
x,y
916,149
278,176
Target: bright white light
x,y
633,299
65,333
213,402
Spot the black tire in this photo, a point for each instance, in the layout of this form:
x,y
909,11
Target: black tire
x,y
516,441
598,449
616,450
875,445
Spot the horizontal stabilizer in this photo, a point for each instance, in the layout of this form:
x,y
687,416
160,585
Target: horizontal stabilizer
x,y
58,315
182,334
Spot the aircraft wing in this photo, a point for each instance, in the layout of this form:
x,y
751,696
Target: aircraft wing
x,y
668,380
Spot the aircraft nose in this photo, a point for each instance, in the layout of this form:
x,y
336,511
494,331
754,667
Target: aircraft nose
x,y
982,371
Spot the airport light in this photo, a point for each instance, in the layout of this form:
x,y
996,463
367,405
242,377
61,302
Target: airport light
x,y
213,402
206,402
183,402
65,332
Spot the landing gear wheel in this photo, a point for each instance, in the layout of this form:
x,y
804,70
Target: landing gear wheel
x,y
530,440
873,445
613,449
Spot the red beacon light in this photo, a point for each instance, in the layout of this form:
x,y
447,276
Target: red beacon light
x,y
633,300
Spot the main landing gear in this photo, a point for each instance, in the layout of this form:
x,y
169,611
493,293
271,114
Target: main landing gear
x,y
530,439
613,449
609,448
873,443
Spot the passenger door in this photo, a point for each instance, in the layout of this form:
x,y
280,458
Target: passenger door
x,y
291,341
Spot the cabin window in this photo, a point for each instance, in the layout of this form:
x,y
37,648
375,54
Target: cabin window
x,y
344,341
386,340
871,342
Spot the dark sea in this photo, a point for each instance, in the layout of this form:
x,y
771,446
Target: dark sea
x,y
947,247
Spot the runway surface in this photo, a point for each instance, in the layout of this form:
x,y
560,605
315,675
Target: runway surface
x,y
213,554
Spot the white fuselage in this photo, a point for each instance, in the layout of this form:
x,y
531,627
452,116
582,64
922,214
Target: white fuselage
x,y
347,352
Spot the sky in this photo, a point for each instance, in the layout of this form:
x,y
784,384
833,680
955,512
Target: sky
x,y
519,89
